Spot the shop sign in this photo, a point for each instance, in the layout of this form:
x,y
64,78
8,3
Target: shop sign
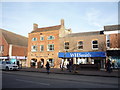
x,y
81,54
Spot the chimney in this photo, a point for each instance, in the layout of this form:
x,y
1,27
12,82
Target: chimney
x,y
62,22
35,26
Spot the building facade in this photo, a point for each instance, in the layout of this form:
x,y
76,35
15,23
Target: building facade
x,y
43,45
13,47
84,48
112,33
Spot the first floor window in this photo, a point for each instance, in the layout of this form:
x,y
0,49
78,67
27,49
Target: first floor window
x,y
41,48
80,45
34,48
94,44
50,47
34,39
66,45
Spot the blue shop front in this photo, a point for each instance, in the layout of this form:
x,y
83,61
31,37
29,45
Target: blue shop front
x,y
83,58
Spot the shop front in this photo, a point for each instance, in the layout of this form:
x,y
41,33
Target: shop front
x,y
114,56
88,59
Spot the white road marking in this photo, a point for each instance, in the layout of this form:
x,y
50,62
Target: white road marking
x,y
33,82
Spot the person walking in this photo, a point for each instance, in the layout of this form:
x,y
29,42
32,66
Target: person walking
x,y
108,64
70,66
48,67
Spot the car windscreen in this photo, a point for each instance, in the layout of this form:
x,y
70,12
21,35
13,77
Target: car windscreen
x,y
8,62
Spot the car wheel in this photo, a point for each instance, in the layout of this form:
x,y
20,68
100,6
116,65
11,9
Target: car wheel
x,y
7,68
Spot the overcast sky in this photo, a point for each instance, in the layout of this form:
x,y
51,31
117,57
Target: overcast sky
x,y
19,17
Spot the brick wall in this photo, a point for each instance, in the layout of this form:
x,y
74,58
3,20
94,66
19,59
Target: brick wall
x,y
6,47
19,50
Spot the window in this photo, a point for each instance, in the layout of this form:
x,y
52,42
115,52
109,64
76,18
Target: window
x,y
41,48
51,38
34,48
41,38
95,44
108,41
1,48
80,45
50,47
34,39
66,45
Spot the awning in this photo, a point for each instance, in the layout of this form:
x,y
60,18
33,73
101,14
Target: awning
x,y
81,54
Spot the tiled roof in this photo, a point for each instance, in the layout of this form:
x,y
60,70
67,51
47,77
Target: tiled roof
x,y
51,28
83,34
13,38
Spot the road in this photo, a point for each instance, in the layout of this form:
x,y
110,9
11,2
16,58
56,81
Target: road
x,y
18,79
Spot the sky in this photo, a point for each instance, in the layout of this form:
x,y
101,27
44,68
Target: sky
x,y
18,17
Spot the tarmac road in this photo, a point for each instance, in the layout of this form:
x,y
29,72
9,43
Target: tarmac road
x,y
16,79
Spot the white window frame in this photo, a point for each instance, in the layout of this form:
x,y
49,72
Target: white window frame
x,y
34,49
50,38
48,47
41,48
1,48
34,39
108,40
95,44
41,38
79,44
67,46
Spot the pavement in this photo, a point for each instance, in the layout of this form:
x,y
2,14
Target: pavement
x,y
102,73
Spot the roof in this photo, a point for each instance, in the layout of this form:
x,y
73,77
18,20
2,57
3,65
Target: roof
x,y
111,27
13,38
51,28
83,34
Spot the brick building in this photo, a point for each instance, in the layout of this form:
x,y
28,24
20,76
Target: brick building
x,y
43,45
13,47
87,48
112,33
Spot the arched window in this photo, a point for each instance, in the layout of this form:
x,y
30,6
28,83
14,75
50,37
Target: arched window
x,y
94,44
51,37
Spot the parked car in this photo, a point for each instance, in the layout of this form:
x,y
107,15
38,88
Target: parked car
x,y
7,65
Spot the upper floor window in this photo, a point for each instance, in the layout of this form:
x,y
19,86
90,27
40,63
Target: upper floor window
x,y
66,45
50,47
94,44
1,48
34,39
80,45
108,41
41,48
34,48
51,37
41,38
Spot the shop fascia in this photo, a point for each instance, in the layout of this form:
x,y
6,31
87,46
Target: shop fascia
x,y
81,54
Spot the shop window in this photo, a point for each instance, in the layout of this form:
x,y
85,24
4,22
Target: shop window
x,y
51,61
95,44
34,39
50,47
66,45
41,48
34,48
51,37
80,45
41,38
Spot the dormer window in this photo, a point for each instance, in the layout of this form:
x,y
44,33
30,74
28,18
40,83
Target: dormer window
x,y
51,37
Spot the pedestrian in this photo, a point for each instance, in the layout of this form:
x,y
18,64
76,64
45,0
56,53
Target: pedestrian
x,y
108,66
48,67
70,66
